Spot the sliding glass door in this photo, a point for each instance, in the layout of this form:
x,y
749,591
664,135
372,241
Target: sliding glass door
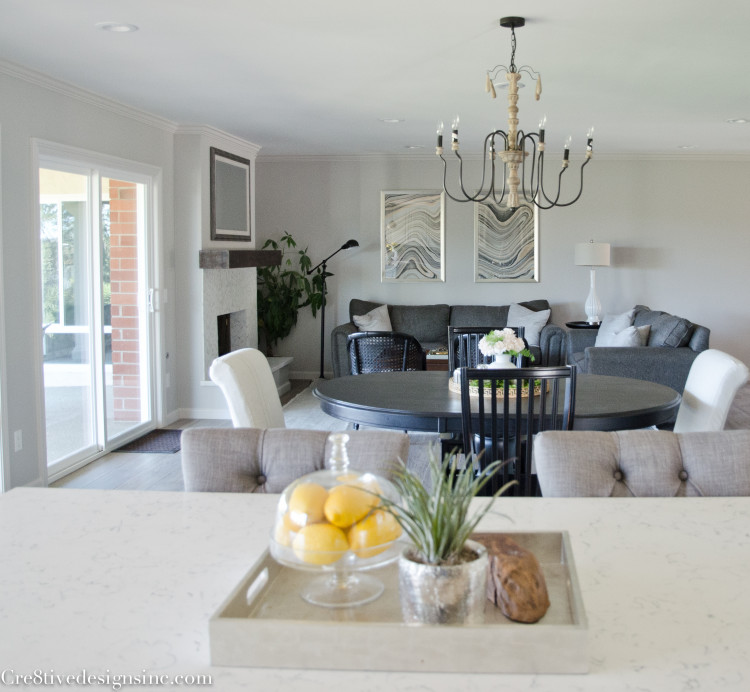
x,y
96,326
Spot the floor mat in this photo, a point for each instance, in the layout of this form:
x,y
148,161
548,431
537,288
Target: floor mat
x,y
155,442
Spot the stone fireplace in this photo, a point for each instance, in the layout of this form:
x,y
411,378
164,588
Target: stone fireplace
x,y
229,297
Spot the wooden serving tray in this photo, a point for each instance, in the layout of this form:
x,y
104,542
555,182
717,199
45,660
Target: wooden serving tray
x,y
265,623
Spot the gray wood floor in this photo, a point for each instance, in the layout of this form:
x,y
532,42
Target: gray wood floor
x,y
131,471
142,471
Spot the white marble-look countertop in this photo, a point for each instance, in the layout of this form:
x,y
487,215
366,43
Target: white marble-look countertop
x,y
125,582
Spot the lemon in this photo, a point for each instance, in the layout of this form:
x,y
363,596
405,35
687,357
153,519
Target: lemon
x,y
369,482
284,530
306,504
320,544
373,534
347,477
347,504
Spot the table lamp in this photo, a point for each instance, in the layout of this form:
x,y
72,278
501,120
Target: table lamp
x,y
592,255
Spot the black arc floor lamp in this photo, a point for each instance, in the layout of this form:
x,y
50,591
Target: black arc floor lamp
x,y
325,275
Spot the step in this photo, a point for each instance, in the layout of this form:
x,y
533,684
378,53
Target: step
x,y
280,367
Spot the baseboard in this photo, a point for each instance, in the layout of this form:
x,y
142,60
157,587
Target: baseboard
x,y
208,413
309,375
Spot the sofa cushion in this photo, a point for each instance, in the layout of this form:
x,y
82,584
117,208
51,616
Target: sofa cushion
x,y
532,321
485,316
611,325
671,331
645,315
428,323
377,320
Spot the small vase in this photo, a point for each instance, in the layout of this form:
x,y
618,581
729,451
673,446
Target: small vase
x,y
501,361
444,594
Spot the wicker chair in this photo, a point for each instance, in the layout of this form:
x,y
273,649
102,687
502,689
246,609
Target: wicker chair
x,y
384,352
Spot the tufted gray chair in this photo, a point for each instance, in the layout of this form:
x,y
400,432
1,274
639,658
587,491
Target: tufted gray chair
x,y
251,460
643,463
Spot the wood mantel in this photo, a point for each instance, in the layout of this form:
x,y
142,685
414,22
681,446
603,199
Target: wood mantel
x,y
237,259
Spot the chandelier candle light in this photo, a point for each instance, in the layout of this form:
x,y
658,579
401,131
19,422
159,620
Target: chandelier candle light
x,y
515,146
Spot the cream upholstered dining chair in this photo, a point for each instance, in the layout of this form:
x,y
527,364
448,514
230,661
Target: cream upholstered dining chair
x,y
246,380
642,463
250,460
711,386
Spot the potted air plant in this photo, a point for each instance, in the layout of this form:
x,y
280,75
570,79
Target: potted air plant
x,y
443,574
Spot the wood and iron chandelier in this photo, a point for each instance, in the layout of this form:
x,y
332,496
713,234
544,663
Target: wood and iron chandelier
x,y
522,180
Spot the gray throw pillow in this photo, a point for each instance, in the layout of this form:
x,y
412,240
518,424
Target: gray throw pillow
x,y
611,325
671,331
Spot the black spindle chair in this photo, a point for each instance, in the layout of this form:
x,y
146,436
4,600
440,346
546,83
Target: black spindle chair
x,y
501,425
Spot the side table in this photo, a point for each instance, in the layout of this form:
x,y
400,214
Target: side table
x,y
437,359
583,325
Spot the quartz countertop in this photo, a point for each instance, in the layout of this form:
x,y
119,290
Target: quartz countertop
x,y
124,583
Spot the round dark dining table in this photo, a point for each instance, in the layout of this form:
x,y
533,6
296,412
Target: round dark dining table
x,y
421,400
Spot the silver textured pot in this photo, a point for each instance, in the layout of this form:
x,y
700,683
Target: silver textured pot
x,y
443,594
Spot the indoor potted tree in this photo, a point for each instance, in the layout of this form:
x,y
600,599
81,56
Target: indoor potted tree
x,y
443,575
284,289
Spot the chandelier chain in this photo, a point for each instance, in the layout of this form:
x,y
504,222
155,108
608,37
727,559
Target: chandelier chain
x,y
512,50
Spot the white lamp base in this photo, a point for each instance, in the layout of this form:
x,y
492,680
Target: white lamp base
x,y
593,307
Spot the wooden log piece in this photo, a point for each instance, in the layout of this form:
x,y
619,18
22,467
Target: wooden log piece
x,y
515,582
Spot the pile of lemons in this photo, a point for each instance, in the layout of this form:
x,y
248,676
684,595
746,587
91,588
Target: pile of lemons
x,y
321,524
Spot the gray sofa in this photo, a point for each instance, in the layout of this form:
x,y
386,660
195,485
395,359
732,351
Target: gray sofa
x,y
429,324
673,345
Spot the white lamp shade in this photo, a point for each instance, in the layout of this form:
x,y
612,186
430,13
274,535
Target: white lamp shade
x,y
592,254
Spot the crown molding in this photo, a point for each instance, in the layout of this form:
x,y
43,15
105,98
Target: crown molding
x,y
219,137
83,95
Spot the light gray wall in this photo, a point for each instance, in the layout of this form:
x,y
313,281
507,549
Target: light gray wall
x,y
678,229
198,397
34,107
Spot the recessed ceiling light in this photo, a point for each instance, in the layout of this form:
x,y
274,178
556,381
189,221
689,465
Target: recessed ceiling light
x,y
738,121
391,121
688,146
414,146
117,27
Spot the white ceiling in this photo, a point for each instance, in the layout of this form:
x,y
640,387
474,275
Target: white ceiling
x,y
301,77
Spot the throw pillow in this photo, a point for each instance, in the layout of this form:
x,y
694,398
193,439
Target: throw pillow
x,y
611,325
532,322
376,320
671,331
631,336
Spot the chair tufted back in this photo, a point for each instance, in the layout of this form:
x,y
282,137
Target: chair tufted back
x,y
643,463
252,460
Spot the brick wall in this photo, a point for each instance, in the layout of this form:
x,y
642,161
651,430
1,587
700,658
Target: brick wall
x,y
124,284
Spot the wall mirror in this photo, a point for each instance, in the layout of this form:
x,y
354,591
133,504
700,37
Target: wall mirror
x,y
230,196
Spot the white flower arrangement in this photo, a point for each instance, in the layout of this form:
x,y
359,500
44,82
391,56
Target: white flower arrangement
x,y
503,341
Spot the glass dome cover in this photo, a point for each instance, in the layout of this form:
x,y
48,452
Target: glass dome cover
x,y
333,522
